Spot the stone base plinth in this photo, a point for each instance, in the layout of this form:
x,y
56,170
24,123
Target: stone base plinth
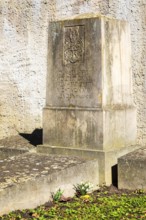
x,y
104,134
89,128
132,170
106,159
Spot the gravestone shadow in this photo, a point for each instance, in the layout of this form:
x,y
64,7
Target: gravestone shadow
x,y
35,138
114,170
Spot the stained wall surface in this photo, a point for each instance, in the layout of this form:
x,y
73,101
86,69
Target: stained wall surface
x,y
23,56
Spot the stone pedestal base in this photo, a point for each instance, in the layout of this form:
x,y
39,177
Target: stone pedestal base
x,y
89,128
106,159
90,133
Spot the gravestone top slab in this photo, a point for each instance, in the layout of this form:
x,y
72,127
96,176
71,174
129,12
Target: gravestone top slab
x,y
28,180
136,155
132,170
26,166
87,16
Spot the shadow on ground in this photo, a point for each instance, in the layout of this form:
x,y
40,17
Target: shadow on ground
x,y
35,138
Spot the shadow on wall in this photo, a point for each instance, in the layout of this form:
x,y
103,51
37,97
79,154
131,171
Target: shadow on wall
x,y
35,138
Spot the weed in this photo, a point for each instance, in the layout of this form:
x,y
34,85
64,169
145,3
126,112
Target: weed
x,y
57,196
139,191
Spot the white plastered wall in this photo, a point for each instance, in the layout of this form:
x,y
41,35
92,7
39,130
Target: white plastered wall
x,y
23,56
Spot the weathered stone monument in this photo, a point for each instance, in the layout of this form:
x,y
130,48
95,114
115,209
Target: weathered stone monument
x,y
89,109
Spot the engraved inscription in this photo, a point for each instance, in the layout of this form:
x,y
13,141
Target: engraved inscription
x,y
74,84
73,44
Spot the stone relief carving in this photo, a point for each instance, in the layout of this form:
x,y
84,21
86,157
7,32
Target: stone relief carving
x,y
73,44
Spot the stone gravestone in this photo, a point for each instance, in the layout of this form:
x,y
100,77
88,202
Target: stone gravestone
x,y
89,109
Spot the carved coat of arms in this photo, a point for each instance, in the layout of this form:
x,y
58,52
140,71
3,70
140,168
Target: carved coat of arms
x,y
73,44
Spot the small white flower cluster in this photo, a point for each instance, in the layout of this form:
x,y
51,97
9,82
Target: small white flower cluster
x,y
88,186
83,188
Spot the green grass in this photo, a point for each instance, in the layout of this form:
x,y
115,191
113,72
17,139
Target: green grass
x,y
99,205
